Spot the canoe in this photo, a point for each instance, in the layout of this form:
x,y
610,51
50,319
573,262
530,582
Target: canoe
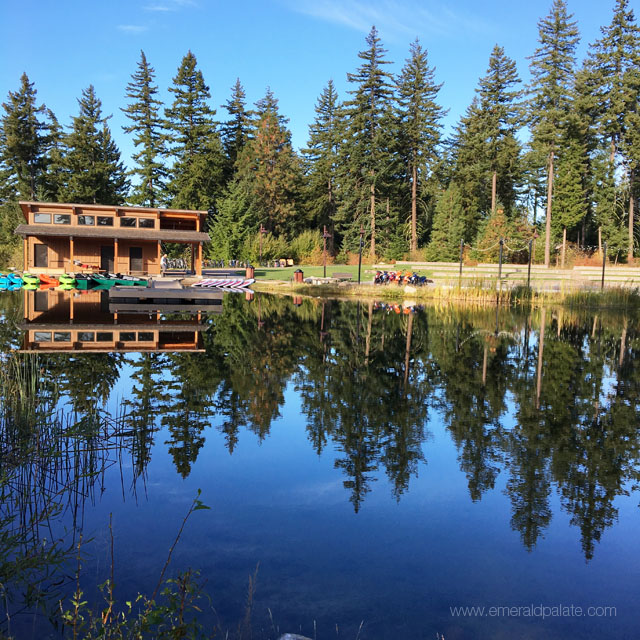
x,y
84,281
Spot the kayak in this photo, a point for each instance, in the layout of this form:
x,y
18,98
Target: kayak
x,y
84,281
50,280
30,278
225,283
67,278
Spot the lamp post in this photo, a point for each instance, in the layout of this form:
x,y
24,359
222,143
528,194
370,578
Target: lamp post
x,y
325,235
262,232
360,253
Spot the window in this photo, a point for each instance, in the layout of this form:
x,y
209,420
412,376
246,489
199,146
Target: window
x,y
40,255
61,218
86,336
42,336
104,337
105,221
128,336
87,220
42,218
128,222
62,336
146,223
144,336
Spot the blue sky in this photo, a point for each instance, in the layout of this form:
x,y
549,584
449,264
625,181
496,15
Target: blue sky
x,y
292,46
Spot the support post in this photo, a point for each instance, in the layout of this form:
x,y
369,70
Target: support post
x,y
193,257
159,255
199,259
115,255
25,254
529,267
604,262
461,252
71,253
500,260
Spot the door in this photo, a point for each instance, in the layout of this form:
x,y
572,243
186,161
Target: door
x,y
135,259
40,255
106,258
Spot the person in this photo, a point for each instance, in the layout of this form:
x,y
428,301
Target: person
x,y
164,263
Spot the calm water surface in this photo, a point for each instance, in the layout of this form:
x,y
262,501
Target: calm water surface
x,y
374,466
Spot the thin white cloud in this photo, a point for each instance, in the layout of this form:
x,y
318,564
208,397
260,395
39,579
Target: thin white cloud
x,y
396,20
170,5
132,28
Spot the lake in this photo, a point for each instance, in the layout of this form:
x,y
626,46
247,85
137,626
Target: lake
x,y
371,471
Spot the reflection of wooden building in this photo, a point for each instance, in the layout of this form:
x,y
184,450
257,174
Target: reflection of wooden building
x,y
65,321
116,239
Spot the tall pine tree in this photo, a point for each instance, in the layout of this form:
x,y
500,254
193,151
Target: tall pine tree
x,y
368,135
147,129
197,174
235,132
552,70
270,170
419,124
92,166
613,62
321,159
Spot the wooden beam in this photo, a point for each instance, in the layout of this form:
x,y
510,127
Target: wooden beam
x,y
198,268
25,254
71,253
115,255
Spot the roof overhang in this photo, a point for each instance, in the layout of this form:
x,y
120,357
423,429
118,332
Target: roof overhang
x,y
113,233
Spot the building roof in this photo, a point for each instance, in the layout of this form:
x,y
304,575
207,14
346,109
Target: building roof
x,y
27,205
121,233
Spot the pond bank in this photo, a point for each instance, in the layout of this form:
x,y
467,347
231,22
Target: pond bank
x,y
493,293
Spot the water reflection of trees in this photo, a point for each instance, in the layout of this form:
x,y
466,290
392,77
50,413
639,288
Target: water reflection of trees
x,y
548,399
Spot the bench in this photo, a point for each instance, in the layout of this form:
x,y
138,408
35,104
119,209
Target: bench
x,y
342,276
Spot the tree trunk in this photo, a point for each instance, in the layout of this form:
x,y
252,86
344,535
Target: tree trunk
x,y
564,245
494,189
407,351
631,207
543,320
414,209
372,214
600,240
547,233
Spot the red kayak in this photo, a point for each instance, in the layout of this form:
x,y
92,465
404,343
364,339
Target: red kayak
x,y
49,280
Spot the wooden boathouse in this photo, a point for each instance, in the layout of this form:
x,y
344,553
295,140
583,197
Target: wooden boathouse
x,y
92,237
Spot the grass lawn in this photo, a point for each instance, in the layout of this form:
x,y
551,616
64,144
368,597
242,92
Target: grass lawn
x,y
286,273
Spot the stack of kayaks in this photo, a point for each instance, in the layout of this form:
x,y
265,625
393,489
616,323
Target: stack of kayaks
x,y
67,281
10,282
224,283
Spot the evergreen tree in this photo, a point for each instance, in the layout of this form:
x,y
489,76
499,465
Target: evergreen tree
x,y
233,223
147,129
25,136
501,111
321,159
552,71
419,123
92,165
368,135
612,64
197,172
270,169
448,227
235,132
568,206
472,169
488,152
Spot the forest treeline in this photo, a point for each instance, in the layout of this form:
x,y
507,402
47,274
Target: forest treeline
x,y
556,158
